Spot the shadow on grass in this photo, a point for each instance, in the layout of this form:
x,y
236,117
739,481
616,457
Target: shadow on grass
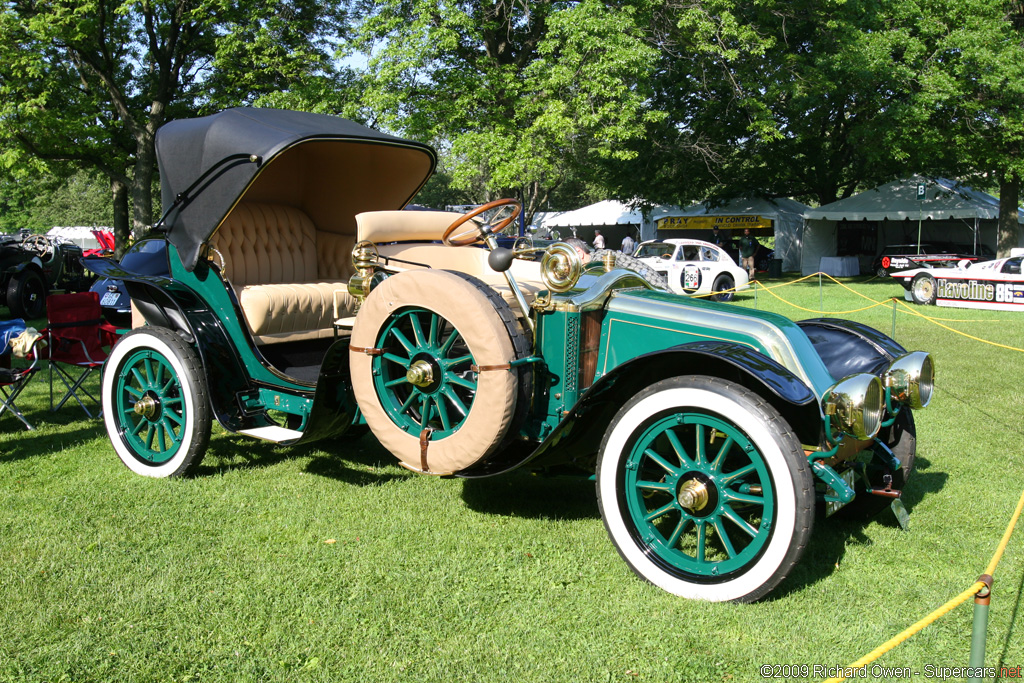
x,y
521,494
229,452
39,443
1012,626
359,462
832,536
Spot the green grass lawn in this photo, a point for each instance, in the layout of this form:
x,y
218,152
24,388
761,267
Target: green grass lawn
x,y
333,563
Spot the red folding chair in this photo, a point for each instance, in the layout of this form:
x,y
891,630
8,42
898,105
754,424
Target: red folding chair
x,y
13,380
78,338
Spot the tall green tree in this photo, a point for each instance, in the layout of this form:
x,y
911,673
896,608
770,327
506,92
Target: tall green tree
x,y
818,99
519,96
972,97
89,82
803,98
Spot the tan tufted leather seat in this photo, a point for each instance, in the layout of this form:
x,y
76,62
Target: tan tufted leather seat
x,y
286,273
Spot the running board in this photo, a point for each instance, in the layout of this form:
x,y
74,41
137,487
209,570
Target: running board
x,y
272,433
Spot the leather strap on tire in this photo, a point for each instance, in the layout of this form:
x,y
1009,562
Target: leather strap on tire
x,y
424,443
369,351
489,368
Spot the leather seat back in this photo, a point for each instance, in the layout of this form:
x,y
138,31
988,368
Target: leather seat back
x,y
267,244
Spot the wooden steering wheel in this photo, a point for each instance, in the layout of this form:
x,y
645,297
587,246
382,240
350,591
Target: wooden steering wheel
x,y
38,244
476,234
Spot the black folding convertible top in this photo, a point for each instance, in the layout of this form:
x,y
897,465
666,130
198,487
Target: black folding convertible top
x,y
222,145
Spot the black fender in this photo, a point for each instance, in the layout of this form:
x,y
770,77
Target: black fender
x,y
849,347
576,439
29,265
165,302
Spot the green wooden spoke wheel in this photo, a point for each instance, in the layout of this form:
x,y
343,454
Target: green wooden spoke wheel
x,y
414,346
155,404
705,490
425,378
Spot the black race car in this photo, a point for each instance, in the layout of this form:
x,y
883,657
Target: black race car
x,y
897,257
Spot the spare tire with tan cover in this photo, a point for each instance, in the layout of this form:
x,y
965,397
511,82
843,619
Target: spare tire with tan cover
x,y
430,354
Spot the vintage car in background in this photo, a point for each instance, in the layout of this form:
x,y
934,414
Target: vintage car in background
x,y
694,267
31,266
300,303
997,285
115,303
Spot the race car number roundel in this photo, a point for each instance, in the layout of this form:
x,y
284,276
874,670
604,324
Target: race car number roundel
x,y
691,279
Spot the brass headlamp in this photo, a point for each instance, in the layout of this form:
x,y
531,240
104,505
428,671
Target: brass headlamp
x,y
856,406
911,379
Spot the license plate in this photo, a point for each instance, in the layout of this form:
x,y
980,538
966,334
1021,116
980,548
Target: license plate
x,y
110,298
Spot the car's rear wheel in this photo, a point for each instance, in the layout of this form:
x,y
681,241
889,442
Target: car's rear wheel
x,y
704,489
155,403
923,289
430,356
26,294
723,288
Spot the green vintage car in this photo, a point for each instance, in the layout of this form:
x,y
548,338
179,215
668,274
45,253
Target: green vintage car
x,y
301,303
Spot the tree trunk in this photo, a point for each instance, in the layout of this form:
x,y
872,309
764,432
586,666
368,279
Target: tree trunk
x,y
119,190
1009,228
142,184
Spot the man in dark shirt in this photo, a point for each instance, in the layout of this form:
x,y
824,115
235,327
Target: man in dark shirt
x,y
748,247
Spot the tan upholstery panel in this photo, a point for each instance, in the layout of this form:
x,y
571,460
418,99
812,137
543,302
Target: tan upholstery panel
x,y
334,255
404,226
267,244
286,273
296,306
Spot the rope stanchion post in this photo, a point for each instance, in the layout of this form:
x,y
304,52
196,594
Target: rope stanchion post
x,y
979,628
821,295
983,584
893,335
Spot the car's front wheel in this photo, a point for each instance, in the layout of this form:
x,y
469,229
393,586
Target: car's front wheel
x,y
155,403
704,489
923,289
26,294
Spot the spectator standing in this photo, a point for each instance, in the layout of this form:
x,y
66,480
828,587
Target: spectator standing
x,y
748,247
716,237
598,240
628,245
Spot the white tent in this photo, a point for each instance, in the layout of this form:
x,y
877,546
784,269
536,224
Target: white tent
x,y
614,219
78,234
948,212
786,216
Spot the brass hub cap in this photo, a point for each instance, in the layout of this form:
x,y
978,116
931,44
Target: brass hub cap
x,y
420,373
146,407
693,495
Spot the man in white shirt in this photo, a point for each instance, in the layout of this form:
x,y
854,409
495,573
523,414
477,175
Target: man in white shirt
x,y
598,240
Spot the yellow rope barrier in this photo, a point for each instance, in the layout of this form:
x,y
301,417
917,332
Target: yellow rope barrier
x,y
941,611
809,310
935,321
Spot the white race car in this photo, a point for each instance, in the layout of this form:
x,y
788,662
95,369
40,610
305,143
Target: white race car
x,y
694,267
998,285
